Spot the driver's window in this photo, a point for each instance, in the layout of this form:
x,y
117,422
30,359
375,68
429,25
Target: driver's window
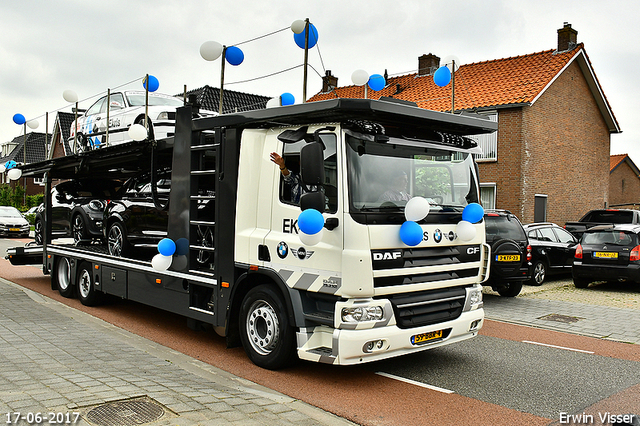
x,y
291,187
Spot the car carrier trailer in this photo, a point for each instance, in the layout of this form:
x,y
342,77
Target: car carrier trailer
x,y
357,290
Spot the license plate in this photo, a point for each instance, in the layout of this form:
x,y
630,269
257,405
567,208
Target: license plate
x,y
425,337
605,254
14,229
508,258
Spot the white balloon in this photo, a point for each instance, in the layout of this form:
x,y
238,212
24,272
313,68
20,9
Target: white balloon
x,y
273,102
33,124
70,96
360,77
161,262
210,50
298,26
310,240
466,230
137,132
416,209
450,60
2,168
14,174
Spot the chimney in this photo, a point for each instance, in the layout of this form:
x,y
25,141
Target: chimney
x,y
329,82
428,64
567,38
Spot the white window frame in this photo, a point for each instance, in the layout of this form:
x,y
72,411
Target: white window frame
x,y
492,202
488,142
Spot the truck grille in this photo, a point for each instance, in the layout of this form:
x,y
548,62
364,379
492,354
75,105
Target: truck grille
x,y
428,307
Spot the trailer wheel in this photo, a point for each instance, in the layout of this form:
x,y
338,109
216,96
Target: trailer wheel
x,y
117,240
87,293
265,332
63,278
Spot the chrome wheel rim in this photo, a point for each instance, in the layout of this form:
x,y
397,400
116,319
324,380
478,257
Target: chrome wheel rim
x,y
263,327
539,273
64,274
115,241
84,284
78,229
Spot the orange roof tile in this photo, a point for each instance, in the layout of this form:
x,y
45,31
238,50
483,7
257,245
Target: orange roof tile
x,y
498,82
615,160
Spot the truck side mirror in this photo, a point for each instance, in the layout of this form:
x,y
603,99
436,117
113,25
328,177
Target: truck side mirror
x,y
312,200
312,164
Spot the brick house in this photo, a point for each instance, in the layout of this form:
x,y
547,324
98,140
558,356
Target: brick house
x,y
624,182
549,159
35,151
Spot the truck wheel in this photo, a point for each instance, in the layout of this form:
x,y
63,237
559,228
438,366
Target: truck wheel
x,y
539,273
580,282
510,289
265,332
63,278
117,240
87,293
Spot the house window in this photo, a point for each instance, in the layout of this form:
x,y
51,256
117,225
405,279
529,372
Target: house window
x,y
540,208
488,143
488,195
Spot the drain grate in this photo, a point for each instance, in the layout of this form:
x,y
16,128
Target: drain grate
x,y
560,318
128,412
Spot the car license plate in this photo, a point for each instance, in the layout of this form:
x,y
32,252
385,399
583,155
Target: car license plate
x,y
14,229
425,337
605,254
508,257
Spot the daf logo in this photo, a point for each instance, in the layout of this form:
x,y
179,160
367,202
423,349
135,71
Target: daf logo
x,y
473,250
387,255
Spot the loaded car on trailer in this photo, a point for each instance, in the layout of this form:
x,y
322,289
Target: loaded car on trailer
x,y
358,288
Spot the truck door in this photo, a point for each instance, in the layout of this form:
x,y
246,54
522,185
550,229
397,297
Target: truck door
x,y
314,266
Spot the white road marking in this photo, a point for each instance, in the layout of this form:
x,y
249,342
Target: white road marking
x,y
413,382
558,347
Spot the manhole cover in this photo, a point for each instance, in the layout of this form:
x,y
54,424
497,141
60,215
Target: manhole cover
x,y
560,318
125,413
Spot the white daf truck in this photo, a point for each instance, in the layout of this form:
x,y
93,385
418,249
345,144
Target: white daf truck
x,y
356,291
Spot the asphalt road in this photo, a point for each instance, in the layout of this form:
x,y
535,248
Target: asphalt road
x,y
494,379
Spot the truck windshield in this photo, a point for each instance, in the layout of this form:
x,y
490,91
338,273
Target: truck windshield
x,y
384,176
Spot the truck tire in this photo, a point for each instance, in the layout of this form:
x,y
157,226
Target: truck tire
x,y
87,293
63,278
510,289
265,332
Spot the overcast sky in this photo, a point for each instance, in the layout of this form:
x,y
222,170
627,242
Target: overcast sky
x,y
89,46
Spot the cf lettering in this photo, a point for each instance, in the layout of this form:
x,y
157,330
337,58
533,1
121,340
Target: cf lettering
x,y
473,250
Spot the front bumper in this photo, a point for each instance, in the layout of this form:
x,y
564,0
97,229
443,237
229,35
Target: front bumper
x,y
348,347
14,231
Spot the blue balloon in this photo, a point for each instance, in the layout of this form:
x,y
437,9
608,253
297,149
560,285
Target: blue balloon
x,y
473,213
313,37
377,82
182,247
166,247
310,221
10,164
442,76
19,119
411,233
234,55
154,84
287,99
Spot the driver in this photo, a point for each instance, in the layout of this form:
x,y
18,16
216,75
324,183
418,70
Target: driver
x,y
398,188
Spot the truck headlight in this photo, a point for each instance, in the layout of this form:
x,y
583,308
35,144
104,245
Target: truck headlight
x,y
474,298
362,313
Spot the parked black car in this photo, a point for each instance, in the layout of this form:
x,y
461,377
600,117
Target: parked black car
x,y
510,252
77,208
607,253
552,249
135,219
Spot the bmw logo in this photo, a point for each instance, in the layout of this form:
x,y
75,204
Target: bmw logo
x,y
283,250
437,235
